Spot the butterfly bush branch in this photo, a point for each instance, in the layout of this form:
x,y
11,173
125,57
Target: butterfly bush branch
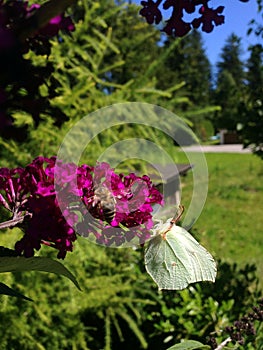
x,y
13,222
52,213
4,203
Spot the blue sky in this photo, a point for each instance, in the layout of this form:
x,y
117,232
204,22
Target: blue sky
x,y
237,16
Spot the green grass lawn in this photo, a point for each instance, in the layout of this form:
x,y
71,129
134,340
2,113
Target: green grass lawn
x,y
231,223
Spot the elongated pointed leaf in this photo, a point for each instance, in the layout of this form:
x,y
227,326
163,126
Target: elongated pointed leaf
x,y
20,263
189,345
4,289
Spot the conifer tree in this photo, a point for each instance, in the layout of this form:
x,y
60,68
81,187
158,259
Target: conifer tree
x,y
137,42
188,63
230,59
230,84
255,72
251,109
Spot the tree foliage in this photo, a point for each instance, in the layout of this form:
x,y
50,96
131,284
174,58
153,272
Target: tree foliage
x,y
187,63
238,92
119,305
251,110
229,84
89,73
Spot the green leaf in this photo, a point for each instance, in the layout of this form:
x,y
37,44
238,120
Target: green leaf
x,y
4,289
189,345
20,263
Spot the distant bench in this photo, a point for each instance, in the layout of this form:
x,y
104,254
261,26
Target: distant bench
x,y
167,178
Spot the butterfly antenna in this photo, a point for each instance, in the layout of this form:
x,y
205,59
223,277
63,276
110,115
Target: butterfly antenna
x,y
178,215
174,220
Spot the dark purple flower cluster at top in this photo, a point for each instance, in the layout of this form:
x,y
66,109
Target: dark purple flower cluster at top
x,y
57,201
17,73
176,25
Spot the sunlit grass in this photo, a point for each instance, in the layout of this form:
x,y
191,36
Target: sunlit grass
x,y
231,223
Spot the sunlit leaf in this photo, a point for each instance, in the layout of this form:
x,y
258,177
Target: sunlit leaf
x,y
189,345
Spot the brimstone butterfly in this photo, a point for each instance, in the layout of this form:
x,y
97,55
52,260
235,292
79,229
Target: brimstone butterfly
x,y
174,259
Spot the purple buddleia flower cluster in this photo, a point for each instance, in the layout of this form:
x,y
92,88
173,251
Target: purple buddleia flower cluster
x,y
20,79
133,197
52,201
176,25
242,328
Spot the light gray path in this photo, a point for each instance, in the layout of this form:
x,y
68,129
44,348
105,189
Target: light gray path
x,y
237,148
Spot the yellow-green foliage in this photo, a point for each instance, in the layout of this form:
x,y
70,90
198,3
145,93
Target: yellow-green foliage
x,y
113,293
119,305
82,62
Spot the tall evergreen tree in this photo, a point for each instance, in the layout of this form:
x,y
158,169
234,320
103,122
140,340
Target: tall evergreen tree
x,y
229,85
188,63
230,59
255,72
251,111
227,96
137,43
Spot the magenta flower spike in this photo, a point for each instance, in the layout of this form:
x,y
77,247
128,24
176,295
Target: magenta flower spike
x,y
53,212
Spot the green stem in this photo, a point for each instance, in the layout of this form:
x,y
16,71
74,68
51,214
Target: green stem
x,y
14,221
